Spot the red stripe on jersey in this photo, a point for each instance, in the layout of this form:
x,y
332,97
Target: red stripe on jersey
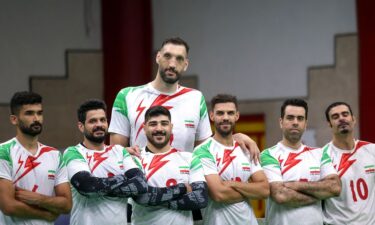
x,y
345,163
291,161
157,163
98,157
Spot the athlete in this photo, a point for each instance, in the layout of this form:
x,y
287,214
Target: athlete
x,y
233,180
34,186
300,176
354,161
165,167
187,106
102,177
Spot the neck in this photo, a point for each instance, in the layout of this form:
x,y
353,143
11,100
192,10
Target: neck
x,y
154,149
162,86
345,142
30,143
227,141
291,144
92,145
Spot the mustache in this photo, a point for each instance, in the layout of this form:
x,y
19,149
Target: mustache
x,y
159,133
171,70
98,129
36,123
343,123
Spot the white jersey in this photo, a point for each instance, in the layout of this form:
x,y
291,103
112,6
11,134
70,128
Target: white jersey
x,y
188,110
230,163
164,170
39,173
282,164
112,160
356,168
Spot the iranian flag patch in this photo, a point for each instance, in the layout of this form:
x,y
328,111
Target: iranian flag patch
x,y
184,169
246,166
315,170
370,169
51,174
119,163
189,124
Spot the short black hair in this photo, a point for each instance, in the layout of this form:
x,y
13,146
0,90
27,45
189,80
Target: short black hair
x,y
176,41
157,111
91,104
337,104
23,98
223,98
294,102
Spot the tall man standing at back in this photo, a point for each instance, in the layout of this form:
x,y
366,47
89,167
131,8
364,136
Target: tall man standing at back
x,y
187,106
354,161
34,186
300,176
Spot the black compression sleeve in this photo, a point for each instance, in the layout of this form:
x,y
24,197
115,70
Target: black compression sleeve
x,y
91,186
157,196
134,185
196,199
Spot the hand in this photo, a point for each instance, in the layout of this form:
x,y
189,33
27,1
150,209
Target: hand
x,y
50,217
248,145
134,150
28,197
188,188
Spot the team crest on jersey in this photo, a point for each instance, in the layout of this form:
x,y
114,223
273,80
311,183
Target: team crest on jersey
x,y
51,174
315,170
246,167
370,169
184,169
189,124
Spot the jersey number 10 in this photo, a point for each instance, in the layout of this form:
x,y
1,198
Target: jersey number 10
x,y
359,187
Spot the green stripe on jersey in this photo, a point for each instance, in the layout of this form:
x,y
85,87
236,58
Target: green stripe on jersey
x,y
61,161
203,107
125,152
5,151
72,153
325,157
137,162
203,151
120,102
267,159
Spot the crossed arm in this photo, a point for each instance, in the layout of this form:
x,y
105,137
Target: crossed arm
x,y
233,192
11,206
299,193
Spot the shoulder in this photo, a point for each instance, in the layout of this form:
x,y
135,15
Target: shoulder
x,y
5,149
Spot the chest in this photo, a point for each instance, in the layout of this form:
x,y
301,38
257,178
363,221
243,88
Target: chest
x,y
105,164
166,170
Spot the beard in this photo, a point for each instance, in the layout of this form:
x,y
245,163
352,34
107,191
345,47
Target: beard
x,y
33,130
156,144
343,128
96,139
170,80
293,137
224,132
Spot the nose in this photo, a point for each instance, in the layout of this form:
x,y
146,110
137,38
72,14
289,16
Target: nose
x,y
172,62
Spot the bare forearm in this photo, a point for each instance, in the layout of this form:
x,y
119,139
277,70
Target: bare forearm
x,y
252,190
23,210
319,189
225,194
58,205
289,197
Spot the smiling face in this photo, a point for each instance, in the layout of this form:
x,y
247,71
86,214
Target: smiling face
x,y
172,61
341,120
224,116
95,126
293,124
158,131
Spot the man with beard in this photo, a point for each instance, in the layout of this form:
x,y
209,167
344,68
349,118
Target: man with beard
x,y
354,161
232,179
300,176
34,186
187,105
102,177
165,167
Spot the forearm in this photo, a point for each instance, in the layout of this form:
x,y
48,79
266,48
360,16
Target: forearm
x,y
197,199
322,189
289,197
134,185
225,194
57,205
23,210
91,186
160,195
251,190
